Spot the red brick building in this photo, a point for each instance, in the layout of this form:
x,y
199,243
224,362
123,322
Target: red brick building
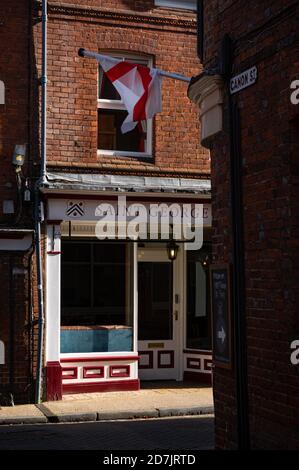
x,y
252,131
16,128
99,334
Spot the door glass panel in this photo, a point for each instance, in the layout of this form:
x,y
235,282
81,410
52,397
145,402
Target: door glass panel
x,y
154,300
198,300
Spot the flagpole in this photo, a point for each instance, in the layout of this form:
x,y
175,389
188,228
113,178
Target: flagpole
x,y
94,55
175,76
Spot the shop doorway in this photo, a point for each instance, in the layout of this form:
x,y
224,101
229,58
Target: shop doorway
x,y
159,315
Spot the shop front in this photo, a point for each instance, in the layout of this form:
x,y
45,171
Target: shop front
x,y
122,310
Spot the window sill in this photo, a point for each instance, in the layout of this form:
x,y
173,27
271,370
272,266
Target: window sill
x,y
119,153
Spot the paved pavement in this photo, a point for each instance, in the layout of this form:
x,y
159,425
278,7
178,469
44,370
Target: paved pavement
x,y
158,400
188,433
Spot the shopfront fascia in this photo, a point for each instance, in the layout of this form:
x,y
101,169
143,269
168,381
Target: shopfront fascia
x,y
117,311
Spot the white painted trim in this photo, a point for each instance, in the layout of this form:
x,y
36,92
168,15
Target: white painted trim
x,y
152,253
208,351
119,105
182,283
19,244
95,364
98,355
111,104
120,153
53,288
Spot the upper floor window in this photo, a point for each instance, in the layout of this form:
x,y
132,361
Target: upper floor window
x,y
112,113
184,4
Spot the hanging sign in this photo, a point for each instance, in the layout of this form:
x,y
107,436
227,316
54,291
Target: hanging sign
x,y
243,80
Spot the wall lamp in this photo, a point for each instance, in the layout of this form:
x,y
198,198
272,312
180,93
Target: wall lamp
x,y
172,250
19,155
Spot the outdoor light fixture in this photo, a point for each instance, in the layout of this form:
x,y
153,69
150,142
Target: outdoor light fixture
x,y
19,155
172,250
205,261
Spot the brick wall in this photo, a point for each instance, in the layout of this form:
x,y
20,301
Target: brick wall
x,y
14,72
168,36
16,375
15,272
265,34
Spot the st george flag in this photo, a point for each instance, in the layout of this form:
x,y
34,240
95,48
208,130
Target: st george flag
x,y
138,86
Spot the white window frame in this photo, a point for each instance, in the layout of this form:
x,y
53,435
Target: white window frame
x,y
180,4
118,105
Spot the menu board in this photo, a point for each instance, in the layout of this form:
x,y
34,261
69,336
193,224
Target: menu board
x,y
221,315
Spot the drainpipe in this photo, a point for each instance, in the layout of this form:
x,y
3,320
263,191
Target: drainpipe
x,y
43,82
38,206
11,333
239,291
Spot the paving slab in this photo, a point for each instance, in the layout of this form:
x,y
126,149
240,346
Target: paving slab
x,y
145,403
151,403
21,414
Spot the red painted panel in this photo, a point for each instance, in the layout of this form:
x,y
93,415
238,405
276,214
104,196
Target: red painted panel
x,y
112,386
54,381
197,364
73,373
96,375
150,355
207,364
166,366
119,371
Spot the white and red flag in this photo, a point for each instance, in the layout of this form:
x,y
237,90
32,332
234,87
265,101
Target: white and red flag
x,y
138,86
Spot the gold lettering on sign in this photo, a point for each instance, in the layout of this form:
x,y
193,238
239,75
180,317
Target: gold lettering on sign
x,y
155,345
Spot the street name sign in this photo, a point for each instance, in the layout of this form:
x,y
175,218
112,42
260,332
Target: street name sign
x,y
243,80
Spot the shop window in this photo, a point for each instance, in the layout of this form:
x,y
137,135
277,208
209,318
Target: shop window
x,y
112,113
96,297
181,4
198,300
